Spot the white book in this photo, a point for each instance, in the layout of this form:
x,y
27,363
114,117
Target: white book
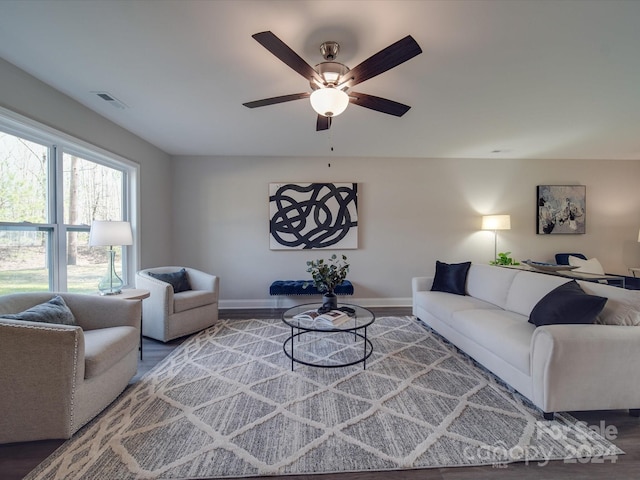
x,y
331,318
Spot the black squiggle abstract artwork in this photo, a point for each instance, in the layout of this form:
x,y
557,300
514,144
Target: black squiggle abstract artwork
x,y
313,215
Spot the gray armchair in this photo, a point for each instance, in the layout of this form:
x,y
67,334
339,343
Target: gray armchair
x,y
169,314
55,377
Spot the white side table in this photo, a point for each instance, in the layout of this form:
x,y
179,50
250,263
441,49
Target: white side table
x,y
133,294
634,270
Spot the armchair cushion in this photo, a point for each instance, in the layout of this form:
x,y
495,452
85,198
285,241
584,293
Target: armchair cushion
x,y
53,311
178,280
184,301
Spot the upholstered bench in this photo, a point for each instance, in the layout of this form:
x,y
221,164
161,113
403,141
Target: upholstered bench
x,y
295,287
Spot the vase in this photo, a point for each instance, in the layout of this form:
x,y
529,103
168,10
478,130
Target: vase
x,y
329,301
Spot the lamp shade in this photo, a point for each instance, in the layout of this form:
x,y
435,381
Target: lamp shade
x,y
496,222
329,101
108,233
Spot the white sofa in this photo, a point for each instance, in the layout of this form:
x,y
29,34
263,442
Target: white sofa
x,y
55,378
558,367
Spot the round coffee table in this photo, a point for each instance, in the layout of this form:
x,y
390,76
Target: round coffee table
x,y
308,333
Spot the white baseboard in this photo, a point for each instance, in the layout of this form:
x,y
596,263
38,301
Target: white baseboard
x,y
290,301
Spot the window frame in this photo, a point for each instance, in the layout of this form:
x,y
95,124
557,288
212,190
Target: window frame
x,y
60,143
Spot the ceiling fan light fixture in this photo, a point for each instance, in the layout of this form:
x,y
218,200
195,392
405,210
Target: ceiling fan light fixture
x,y
329,101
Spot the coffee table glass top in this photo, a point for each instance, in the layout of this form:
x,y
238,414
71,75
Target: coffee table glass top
x,y
360,318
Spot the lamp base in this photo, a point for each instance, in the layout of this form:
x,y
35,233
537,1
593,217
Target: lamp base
x,y
115,292
111,284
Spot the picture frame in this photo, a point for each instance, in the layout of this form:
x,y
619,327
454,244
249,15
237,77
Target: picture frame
x,y
313,216
561,209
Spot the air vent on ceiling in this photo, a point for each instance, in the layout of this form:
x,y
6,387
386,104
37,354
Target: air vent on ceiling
x,y
113,101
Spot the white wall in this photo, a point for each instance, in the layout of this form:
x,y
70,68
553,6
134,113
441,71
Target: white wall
x,y
24,94
412,212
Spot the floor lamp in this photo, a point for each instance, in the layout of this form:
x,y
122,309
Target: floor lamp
x,y
108,234
495,223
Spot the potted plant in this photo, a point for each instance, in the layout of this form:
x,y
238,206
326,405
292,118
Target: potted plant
x,y
327,274
504,259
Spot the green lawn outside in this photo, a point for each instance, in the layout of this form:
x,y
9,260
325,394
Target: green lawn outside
x,y
81,279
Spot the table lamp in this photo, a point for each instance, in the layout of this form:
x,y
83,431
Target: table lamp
x,y
109,233
495,223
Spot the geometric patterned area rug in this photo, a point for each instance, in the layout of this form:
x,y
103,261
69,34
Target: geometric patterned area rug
x,y
226,404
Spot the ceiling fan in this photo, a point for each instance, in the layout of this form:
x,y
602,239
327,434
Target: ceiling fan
x,y
331,81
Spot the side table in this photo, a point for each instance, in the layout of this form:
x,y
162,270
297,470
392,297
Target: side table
x,y
133,294
634,270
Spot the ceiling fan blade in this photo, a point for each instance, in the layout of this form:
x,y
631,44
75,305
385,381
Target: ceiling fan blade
x,y
323,123
384,60
379,104
281,50
273,100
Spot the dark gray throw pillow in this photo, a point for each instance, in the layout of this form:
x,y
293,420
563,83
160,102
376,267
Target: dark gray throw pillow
x,y
451,278
178,280
567,304
53,311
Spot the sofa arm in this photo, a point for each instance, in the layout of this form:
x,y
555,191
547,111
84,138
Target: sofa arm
x,y
421,284
41,365
585,367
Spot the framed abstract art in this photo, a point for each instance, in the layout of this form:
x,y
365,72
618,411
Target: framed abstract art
x,y
313,216
561,209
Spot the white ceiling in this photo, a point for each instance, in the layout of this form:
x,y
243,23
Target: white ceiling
x,y
497,78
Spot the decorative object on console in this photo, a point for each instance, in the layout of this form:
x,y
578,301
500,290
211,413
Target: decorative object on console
x,y
547,267
326,276
495,223
107,234
313,216
561,209
451,278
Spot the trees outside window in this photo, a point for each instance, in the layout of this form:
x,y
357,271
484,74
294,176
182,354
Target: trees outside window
x,y
49,195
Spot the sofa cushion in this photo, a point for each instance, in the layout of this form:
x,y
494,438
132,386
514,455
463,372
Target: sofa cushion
x,y
490,283
53,311
192,299
528,288
104,347
178,280
443,305
505,334
451,278
567,304
622,307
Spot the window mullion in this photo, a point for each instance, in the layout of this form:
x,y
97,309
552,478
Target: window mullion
x,y
59,245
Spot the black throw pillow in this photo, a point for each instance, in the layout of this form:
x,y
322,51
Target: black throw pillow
x,y
178,280
451,278
567,304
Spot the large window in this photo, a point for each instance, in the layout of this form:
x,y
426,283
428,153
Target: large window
x,y
51,189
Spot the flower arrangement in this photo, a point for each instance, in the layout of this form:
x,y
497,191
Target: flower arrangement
x,y
327,274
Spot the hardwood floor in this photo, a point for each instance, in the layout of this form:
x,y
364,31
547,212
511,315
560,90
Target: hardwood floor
x,y
17,459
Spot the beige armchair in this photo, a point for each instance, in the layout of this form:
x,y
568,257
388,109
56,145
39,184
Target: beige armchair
x,y
55,378
167,315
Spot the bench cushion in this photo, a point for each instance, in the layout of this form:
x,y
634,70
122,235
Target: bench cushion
x,y
294,287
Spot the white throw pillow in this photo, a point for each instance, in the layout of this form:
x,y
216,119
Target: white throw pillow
x,y
586,266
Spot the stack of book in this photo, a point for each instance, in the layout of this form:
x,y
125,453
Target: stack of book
x,y
332,318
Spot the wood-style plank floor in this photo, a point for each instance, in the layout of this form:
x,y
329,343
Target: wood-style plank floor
x,y
17,459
